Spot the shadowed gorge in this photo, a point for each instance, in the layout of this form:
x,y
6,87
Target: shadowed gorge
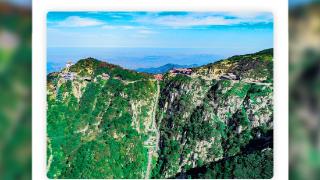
x,y
211,121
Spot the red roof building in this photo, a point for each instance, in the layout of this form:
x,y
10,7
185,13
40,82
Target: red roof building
x,y
158,77
186,71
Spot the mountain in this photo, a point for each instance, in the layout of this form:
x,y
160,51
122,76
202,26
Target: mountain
x,y
104,121
164,68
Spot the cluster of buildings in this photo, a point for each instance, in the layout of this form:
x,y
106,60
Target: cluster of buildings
x,y
186,71
69,75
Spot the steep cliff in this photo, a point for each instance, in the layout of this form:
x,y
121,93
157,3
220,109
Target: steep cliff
x,y
214,113
108,122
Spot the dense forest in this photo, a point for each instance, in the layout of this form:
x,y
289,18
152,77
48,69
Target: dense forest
x,y
104,121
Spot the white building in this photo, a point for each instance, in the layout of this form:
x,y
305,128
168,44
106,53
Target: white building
x,y
69,64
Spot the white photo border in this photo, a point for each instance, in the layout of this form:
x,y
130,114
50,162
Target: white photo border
x,y
39,46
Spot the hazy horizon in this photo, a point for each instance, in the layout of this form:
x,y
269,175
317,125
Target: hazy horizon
x,y
152,39
134,58
130,58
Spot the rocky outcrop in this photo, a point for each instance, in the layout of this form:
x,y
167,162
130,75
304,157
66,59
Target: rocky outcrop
x,y
198,121
204,118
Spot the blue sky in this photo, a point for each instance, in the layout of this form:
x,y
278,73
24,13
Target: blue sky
x,y
228,30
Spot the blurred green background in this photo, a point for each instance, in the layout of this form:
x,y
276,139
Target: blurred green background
x,y
15,90
304,90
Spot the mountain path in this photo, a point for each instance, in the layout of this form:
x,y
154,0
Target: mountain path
x,y
150,152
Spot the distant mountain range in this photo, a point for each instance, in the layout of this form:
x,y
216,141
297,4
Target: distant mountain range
x,y
164,68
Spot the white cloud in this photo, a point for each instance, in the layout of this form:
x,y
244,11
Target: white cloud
x,y
251,15
76,21
108,27
123,27
146,32
202,19
175,21
128,27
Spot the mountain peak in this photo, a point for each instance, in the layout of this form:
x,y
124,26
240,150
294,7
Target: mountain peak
x,y
251,67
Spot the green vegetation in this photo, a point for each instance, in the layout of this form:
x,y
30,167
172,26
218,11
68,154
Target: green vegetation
x,y
257,66
104,128
93,67
256,165
94,137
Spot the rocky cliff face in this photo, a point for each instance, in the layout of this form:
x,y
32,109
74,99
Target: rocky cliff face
x,y
108,122
210,121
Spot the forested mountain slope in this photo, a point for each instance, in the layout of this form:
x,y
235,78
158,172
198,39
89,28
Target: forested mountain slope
x,y
97,127
104,121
